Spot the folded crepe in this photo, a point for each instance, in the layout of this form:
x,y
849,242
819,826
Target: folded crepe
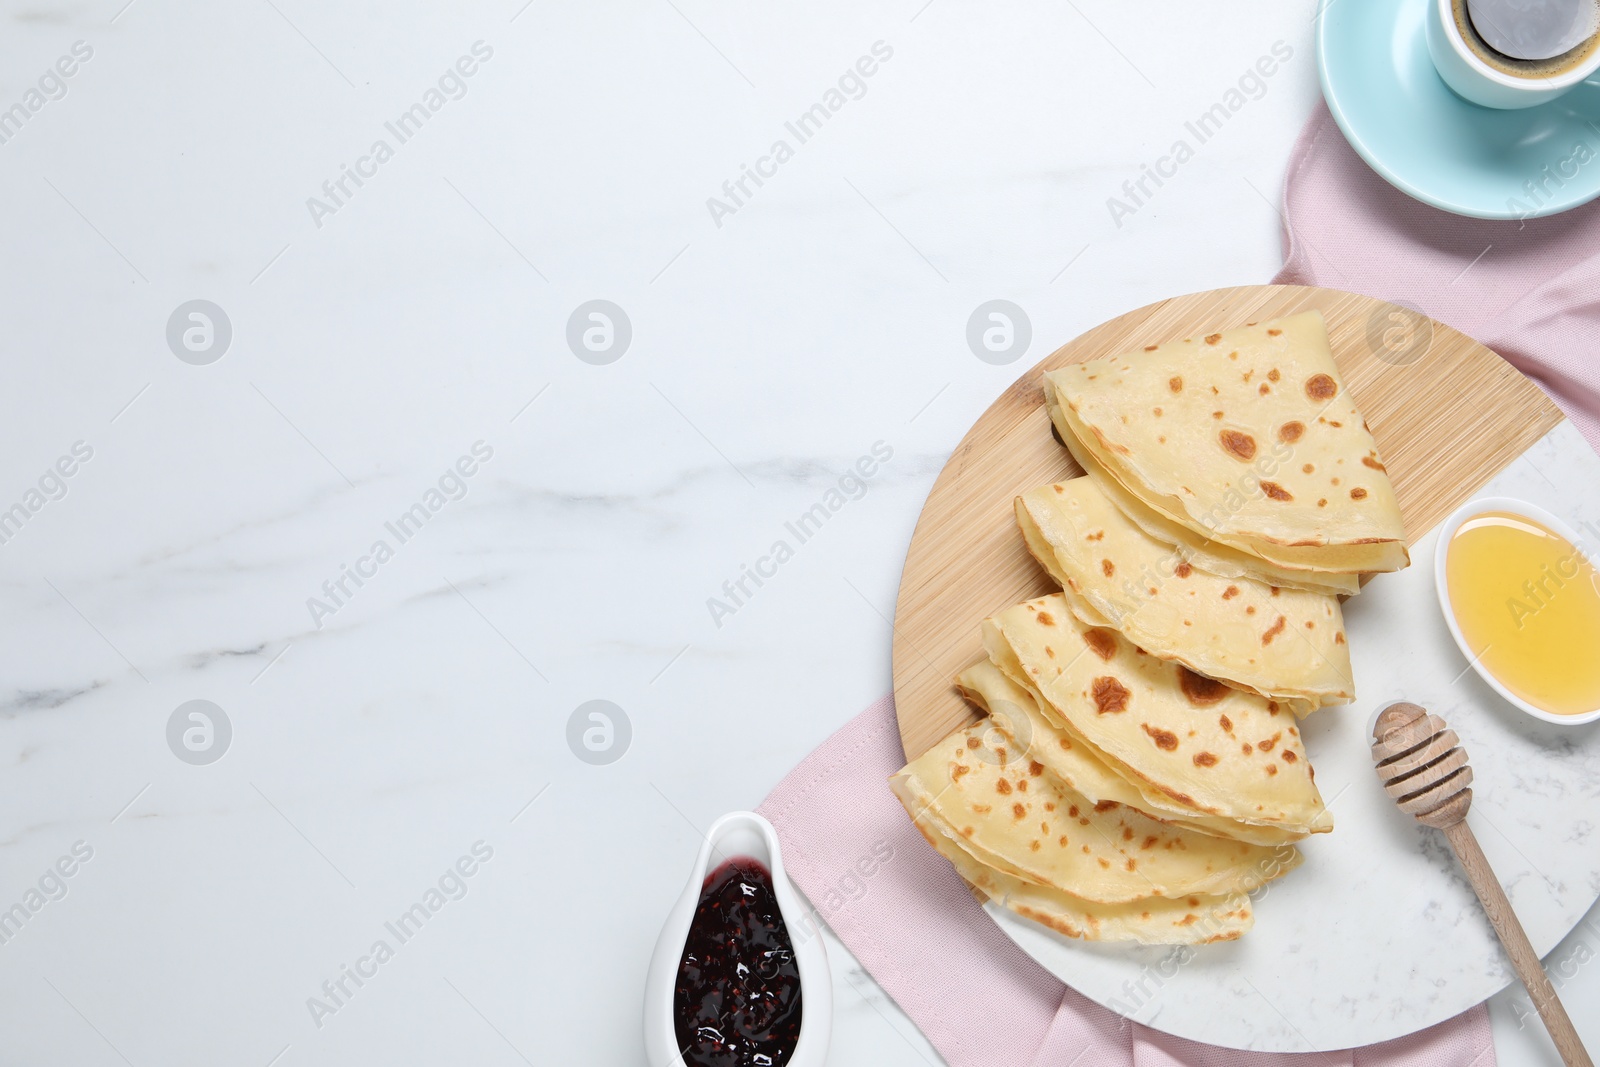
x,y
1191,920
1248,437
1285,644
1199,549
1185,741
1013,816
1014,711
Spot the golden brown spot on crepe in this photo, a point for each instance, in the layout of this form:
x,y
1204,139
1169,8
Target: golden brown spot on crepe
x,y
1105,863
1239,445
1151,590
1201,691
1214,389
1064,743
1062,840
1148,842
1266,745
1226,723
958,770
1204,759
1110,695
1274,589
1231,355
1251,610
1216,414
1033,846
966,831
1102,643
1165,740
1157,411
1249,374
1035,768
1247,748
1213,338
973,742
1175,383
1107,567
1273,375
1290,432
1368,461
1183,570
1336,425
982,809
1049,805
1132,864
1310,625
1276,491
1003,787
1272,768
1321,387
1230,592
1150,348
1162,439
1019,810
1272,707
1049,651
1289,757
1276,629
1308,469
1322,503
1046,619
1338,639
1264,389
1335,481
1358,493
1273,332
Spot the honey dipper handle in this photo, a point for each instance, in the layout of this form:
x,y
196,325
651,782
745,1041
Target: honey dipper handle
x,y
1515,940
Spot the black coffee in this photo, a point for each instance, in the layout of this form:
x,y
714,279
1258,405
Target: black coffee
x,y
1523,68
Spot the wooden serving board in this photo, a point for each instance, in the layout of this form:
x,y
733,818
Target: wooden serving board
x,y
1448,414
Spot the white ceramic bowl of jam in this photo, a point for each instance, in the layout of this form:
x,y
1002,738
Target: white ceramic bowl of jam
x,y
1521,595
739,975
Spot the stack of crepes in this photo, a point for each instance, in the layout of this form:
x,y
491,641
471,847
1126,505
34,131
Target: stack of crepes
x,y
1140,772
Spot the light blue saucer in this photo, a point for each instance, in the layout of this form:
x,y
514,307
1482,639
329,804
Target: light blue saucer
x,y
1427,142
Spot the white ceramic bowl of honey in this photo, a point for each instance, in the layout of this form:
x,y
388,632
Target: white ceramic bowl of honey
x,y
1521,595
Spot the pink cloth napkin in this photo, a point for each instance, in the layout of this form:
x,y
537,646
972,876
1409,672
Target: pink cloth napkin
x,y
1531,291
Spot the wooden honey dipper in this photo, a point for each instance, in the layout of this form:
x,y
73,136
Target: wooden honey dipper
x,y
1424,770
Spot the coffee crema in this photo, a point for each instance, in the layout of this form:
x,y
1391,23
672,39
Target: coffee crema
x,y
1532,69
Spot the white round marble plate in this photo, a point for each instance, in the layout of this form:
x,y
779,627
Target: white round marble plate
x,y
1378,934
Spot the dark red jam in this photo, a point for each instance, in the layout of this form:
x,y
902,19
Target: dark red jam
x,y
737,999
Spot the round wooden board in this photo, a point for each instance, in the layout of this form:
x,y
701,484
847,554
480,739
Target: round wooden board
x,y
1448,414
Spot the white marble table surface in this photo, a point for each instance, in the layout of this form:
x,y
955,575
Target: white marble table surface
x,y
382,733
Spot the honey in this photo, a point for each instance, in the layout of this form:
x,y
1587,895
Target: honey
x,y
1528,604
